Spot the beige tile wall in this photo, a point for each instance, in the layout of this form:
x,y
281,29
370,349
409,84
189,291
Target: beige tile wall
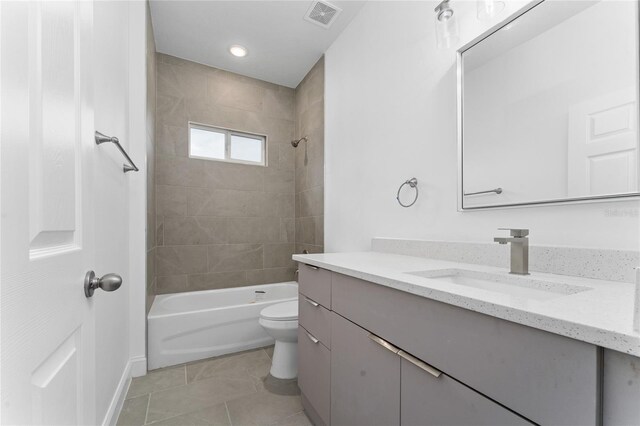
x,y
220,224
309,163
151,177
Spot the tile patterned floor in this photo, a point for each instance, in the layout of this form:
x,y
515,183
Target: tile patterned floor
x,y
231,390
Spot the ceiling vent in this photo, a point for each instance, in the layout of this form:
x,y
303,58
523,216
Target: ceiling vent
x,y
322,13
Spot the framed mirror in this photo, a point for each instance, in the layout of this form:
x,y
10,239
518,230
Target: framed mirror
x,y
548,107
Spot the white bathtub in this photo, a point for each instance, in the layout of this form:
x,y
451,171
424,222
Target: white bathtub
x,y
190,326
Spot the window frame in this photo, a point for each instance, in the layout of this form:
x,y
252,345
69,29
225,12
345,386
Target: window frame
x,y
228,133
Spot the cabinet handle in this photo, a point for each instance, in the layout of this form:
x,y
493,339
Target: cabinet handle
x,y
316,304
388,346
313,339
315,268
420,364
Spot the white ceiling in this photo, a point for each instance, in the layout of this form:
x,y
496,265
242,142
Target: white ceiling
x,y
282,45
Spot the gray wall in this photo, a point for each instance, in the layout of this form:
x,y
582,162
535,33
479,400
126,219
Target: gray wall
x,y
151,159
309,106
221,224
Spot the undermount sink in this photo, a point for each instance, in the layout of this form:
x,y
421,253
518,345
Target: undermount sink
x,y
512,285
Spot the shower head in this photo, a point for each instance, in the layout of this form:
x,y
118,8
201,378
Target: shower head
x,y
297,142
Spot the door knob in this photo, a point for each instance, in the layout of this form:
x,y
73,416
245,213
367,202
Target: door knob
x,y
109,282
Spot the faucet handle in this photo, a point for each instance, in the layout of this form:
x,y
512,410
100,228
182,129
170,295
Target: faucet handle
x,y
516,232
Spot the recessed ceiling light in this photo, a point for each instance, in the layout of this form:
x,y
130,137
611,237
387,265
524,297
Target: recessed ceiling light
x,y
237,50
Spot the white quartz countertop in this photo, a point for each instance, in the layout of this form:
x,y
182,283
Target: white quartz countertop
x,y
602,315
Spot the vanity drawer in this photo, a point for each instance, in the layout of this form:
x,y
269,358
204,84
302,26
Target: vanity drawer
x,y
546,378
446,402
314,374
315,318
315,283
365,378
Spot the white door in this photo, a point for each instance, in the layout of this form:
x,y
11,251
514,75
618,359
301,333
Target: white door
x,y
111,103
603,145
48,359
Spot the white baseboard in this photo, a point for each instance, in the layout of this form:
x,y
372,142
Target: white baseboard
x,y
136,367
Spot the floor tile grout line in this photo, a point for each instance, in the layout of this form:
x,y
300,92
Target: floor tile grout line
x,y
226,407
167,388
185,365
146,414
186,413
290,415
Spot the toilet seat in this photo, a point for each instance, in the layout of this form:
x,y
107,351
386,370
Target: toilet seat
x,y
285,311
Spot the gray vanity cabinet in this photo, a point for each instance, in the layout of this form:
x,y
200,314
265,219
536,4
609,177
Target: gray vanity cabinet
x,y
547,378
359,344
621,389
314,342
430,400
314,367
365,378
315,318
372,383
315,283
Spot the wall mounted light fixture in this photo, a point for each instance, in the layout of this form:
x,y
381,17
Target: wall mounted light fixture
x,y
446,26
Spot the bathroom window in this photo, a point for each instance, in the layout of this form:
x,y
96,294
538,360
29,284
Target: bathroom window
x,y
214,143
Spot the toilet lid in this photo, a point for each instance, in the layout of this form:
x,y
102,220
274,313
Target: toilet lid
x,y
284,311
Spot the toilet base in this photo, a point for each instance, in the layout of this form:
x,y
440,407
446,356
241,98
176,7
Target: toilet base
x,y
285,360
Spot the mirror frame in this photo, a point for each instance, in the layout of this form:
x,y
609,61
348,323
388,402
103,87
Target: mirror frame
x,y
460,95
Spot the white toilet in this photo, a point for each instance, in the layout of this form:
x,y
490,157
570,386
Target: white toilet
x,y
281,322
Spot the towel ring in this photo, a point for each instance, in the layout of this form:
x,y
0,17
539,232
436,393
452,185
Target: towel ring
x,y
413,183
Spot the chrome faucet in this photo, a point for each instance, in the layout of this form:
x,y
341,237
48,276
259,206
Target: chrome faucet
x,y
519,249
